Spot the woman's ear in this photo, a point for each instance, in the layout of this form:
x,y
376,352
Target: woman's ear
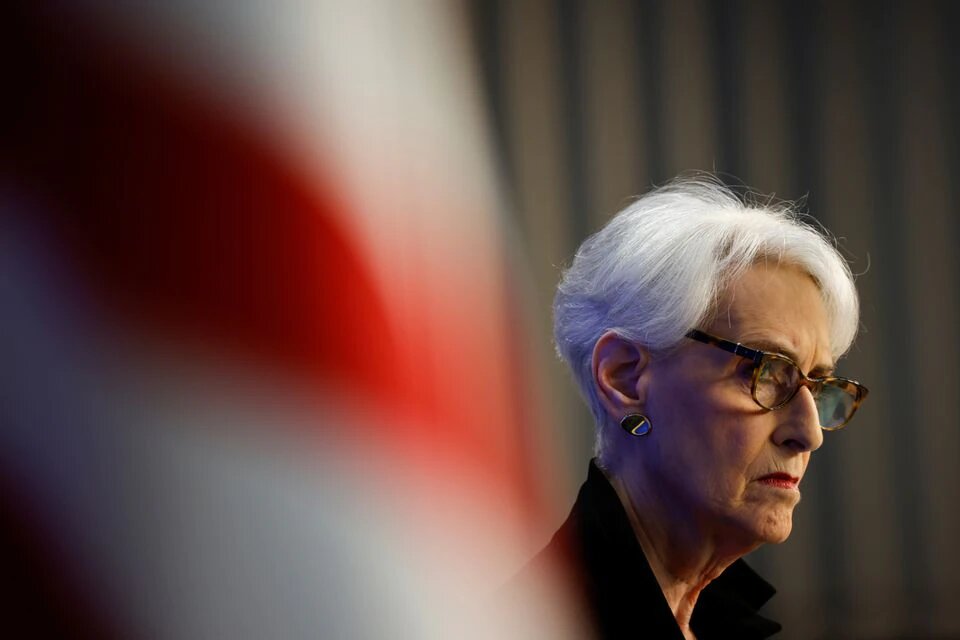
x,y
618,368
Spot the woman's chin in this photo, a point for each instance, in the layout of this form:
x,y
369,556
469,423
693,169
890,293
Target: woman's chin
x,y
766,526
775,527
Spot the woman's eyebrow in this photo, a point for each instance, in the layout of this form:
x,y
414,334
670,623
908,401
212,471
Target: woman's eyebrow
x,y
823,369
771,347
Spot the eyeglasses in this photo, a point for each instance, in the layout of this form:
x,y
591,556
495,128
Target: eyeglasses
x,y
777,379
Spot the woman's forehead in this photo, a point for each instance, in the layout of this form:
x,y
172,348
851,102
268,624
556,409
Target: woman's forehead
x,y
777,308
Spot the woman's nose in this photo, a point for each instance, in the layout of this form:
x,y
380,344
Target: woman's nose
x,y
799,423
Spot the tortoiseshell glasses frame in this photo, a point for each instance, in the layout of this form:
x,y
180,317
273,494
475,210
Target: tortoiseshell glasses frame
x,y
777,379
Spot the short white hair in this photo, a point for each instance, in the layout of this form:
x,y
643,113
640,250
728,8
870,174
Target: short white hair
x,y
659,267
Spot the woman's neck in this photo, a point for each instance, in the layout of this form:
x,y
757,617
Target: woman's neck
x,y
683,557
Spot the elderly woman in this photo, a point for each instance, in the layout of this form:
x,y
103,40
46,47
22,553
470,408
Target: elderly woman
x,y
704,333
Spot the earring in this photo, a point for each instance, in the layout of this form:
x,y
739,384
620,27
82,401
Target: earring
x,y
636,424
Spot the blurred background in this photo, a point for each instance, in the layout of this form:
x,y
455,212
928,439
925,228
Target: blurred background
x,y
849,106
276,284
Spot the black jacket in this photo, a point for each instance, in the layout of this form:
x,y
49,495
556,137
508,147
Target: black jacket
x,y
619,588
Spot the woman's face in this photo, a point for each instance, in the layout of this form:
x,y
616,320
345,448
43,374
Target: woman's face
x,y
713,449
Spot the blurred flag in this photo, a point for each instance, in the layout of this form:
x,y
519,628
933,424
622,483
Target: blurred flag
x,y
265,365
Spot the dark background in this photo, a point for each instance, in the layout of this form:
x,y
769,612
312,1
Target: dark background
x,y
850,107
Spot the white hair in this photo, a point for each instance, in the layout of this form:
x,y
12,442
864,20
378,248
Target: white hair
x,y
659,267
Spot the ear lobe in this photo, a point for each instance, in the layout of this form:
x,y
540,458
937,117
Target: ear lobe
x,y
618,367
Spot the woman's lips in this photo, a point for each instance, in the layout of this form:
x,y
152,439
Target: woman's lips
x,y
780,480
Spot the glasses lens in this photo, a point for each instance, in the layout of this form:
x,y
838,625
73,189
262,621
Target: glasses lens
x,y
776,383
836,402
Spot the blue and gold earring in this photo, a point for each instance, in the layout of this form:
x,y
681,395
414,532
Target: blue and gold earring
x,y
636,424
